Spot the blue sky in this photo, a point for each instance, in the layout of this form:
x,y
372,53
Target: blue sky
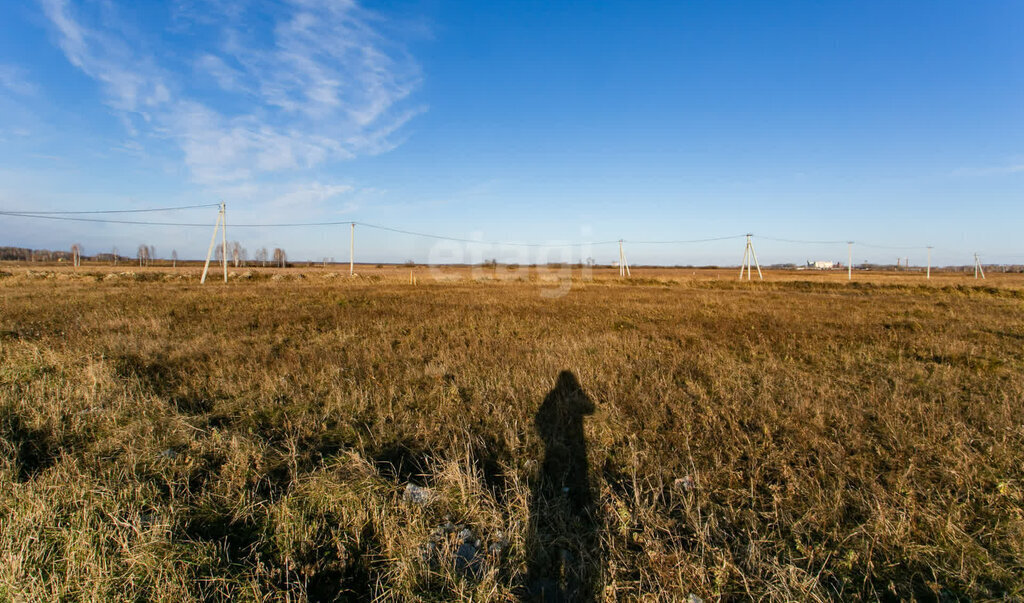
x,y
896,124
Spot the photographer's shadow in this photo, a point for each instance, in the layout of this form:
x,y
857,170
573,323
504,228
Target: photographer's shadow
x,y
562,546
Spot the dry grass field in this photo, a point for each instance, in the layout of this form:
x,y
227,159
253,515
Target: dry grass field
x,y
677,436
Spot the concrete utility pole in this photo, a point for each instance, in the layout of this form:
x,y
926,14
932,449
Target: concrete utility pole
x,y
748,256
623,264
928,274
352,250
224,239
221,224
849,260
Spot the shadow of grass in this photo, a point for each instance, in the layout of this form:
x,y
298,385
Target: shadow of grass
x,y
34,450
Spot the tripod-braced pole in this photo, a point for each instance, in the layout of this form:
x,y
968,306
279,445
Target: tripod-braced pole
x,y
748,256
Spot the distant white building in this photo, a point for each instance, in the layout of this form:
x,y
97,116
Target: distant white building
x,y
821,265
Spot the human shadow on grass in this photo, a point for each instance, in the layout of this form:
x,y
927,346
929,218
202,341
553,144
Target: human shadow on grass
x,y
562,543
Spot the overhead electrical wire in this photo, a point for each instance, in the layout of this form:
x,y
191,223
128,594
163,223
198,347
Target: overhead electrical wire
x,y
459,240
69,216
299,224
49,216
112,211
858,243
728,238
800,241
99,220
893,247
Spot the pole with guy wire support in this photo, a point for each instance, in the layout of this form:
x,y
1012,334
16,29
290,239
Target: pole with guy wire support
x,y
977,267
748,256
222,225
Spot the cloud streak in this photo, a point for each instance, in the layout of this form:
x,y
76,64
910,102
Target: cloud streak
x,y
16,80
277,94
1009,168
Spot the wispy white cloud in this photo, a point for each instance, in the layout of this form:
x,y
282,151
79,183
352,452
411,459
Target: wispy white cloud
x,y
218,149
318,84
227,78
16,80
291,201
131,82
313,196
1011,167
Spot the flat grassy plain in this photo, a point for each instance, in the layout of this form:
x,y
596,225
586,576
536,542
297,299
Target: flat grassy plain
x,y
677,434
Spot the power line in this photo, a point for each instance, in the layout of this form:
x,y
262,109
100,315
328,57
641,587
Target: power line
x,y
297,224
459,240
798,241
680,242
99,220
69,216
893,247
365,225
111,211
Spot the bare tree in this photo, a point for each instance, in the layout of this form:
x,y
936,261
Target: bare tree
x,y
113,253
143,255
235,249
261,256
76,255
151,255
280,257
174,258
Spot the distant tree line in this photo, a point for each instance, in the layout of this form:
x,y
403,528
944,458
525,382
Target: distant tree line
x,y
144,254
33,255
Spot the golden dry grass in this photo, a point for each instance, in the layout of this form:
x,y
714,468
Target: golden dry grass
x,y
801,438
